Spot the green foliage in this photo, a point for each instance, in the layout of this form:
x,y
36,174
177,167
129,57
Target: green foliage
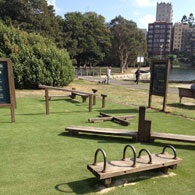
x,y
35,59
31,16
87,38
127,41
188,20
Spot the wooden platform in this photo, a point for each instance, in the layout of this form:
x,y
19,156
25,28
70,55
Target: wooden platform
x,y
173,137
97,130
107,170
134,134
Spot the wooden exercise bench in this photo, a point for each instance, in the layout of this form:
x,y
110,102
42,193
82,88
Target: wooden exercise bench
x,y
72,92
185,92
105,170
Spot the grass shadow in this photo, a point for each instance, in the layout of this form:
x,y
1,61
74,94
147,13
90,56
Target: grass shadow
x,y
182,106
93,185
176,145
100,138
63,99
78,187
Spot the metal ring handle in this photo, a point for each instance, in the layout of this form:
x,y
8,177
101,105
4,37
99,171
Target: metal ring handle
x,y
149,154
134,153
173,149
104,155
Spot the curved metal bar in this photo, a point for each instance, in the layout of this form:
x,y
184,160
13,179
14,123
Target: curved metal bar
x,y
173,149
104,155
134,153
149,154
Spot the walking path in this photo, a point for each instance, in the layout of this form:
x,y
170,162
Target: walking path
x,y
130,83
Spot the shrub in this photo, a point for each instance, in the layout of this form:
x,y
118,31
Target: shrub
x,y
36,60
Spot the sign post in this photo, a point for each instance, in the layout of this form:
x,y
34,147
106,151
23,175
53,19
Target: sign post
x,y
140,59
159,80
7,87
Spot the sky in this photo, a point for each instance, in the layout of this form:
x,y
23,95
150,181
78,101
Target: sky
x,y
141,12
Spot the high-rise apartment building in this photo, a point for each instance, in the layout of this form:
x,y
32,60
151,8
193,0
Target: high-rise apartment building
x,y
179,36
159,39
183,37
164,12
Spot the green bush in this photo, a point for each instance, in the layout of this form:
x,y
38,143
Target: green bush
x,y
36,60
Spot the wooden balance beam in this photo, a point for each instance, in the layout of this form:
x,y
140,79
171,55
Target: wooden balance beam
x,y
97,130
105,170
143,134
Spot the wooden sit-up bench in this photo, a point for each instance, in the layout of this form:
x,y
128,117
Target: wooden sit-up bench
x,y
105,170
185,92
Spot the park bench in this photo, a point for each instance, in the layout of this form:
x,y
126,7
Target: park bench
x,y
185,92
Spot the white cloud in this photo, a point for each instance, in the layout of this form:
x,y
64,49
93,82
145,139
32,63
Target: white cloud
x,y
144,21
51,2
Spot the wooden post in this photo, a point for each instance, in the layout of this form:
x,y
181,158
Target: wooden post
x,y
144,127
12,113
103,100
94,96
90,102
142,111
47,100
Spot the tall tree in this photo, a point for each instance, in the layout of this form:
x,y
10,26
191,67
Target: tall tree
x,y
127,41
87,37
188,20
31,16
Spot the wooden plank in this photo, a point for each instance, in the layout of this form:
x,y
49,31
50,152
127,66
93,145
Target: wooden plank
x,y
62,89
116,119
98,130
109,118
173,137
123,167
101,119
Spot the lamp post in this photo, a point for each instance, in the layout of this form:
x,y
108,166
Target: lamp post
x,y
161,47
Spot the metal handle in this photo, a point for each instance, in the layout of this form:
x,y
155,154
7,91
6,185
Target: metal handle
x,y
134,153
173,149
104,155
149,154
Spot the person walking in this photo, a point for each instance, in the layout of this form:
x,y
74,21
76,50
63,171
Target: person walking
x,y
137,76
108,74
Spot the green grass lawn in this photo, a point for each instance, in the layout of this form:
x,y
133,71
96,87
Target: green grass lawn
x,y
39,157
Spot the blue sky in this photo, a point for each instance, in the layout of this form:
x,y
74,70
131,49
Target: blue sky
x,y
140,11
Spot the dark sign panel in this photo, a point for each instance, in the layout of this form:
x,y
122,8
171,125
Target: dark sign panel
x,y
158,76
159,80
4,83
7,87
